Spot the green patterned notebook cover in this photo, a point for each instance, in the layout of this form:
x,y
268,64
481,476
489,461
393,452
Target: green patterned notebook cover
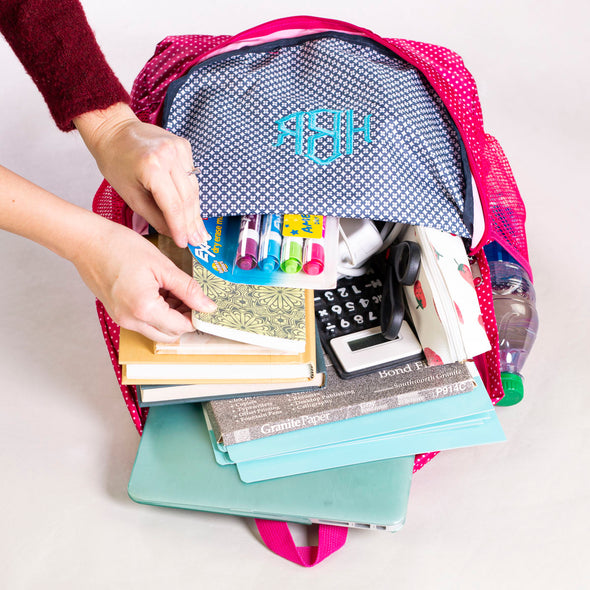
x,y
263,315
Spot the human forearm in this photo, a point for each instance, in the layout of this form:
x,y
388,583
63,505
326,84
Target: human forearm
x,y
136,283
147,165
57,47
34,213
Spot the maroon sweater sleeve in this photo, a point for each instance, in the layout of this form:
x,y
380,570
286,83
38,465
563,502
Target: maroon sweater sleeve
x,y
55,44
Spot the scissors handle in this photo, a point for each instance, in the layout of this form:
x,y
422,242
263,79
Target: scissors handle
x,y
392,307
402,268
406,262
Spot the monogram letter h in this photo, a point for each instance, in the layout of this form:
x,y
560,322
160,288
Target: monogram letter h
x,y
320,135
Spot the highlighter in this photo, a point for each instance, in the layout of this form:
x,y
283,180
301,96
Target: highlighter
x,y
291,254
313,257
269,252
247,254
313,253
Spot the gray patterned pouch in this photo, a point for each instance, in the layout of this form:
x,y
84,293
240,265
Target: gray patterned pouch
x,y
327,123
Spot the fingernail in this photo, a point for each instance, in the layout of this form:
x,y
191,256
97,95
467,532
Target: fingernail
x,y
199,238
203,230
208,306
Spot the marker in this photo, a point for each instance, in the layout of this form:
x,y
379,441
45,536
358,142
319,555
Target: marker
x,y
247,254
291,252
313,257
269,252
313,253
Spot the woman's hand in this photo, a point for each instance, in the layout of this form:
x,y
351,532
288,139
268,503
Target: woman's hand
x,y
149,167
141,289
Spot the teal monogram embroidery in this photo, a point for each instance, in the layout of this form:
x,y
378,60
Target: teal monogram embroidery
x,y
293,125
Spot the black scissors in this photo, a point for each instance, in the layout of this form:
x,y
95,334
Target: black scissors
x,y
401,268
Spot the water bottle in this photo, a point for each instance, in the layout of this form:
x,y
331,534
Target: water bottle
x,y
516,316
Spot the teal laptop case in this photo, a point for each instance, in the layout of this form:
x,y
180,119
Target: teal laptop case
x,y
175,467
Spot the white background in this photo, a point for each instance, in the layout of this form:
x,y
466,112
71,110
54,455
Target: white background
x,y
512,515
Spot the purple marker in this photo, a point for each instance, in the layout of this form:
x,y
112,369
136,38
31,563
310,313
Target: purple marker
x,y
247,254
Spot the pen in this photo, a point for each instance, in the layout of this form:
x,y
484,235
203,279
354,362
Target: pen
x,y
269,252
291,251
247,254
313,253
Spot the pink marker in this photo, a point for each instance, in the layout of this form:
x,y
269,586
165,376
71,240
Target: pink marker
x,y
313,253
247,254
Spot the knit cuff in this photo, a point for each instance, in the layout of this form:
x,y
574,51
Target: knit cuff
x,y
55,44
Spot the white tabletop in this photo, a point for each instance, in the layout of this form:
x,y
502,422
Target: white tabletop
x,y
510,515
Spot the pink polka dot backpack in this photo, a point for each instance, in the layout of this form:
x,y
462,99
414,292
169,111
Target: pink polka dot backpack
x,y
319,116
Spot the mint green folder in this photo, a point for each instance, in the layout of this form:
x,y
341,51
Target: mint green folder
x,y
175,467
471,432
461,420
447,413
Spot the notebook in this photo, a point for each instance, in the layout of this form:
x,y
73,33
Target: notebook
x,y
484,429
153,395
447,413
141,365
175,467
443,302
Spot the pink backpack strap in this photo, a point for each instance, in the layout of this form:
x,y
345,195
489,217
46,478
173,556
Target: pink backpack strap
x,y
278,538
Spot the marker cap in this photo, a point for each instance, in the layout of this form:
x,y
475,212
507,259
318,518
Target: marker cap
x,y
268,264
246,262
313,258
291,265
291,255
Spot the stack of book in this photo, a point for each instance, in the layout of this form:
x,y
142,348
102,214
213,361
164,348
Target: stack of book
x,y
203,366
259,341
375,417
279,434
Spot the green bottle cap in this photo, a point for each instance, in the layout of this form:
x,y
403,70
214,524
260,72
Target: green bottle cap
x,y
513,389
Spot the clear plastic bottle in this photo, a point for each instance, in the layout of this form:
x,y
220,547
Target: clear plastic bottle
x,y
516,315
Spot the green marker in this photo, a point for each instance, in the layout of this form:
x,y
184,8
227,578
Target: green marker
x,y
291,254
